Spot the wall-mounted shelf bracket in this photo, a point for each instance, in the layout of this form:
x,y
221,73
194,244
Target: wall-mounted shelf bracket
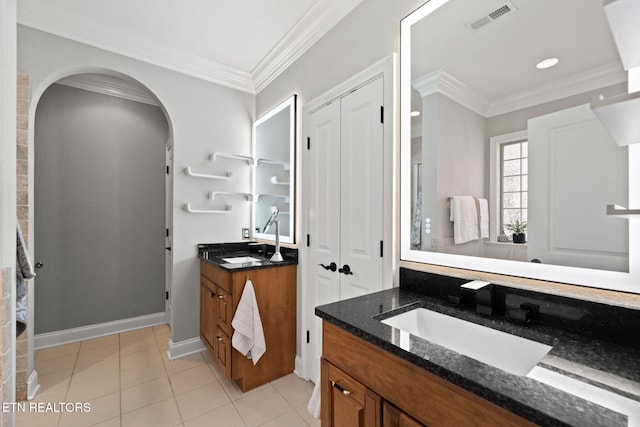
x,y
219,154
187,207
226,177
274,196
214,194
274,181
622,212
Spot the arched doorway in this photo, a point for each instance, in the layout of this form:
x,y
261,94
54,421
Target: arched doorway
x,y
100,187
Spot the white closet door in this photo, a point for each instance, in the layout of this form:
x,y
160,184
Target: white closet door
x,y
361,190
345,194
323,196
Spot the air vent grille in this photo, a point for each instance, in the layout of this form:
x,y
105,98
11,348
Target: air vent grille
x,y
500,11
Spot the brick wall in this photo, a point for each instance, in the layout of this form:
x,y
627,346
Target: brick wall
x,y
22,202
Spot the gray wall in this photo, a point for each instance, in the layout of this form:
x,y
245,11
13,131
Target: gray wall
x,y
100,208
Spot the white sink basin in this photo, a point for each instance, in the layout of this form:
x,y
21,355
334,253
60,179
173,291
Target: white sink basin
x,y
496,348
241,260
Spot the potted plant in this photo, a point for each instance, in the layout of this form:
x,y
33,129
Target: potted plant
x,y
518,228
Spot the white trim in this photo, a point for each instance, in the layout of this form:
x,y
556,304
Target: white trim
x,y
33,385
442,82
322,16
51,339
108,85
184,348
299,370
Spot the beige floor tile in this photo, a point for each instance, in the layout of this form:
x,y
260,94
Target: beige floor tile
x,y
58,351
92,360
37,420
226,416
142,374
56,395
261,406
294,389
201,400
53,381
163,413
304,412
183,363
95,370
161,328
189,379
90,355
95,343
55,365
140,358
81,392
134,346
136,335
102,409
113,422
145,394
289,419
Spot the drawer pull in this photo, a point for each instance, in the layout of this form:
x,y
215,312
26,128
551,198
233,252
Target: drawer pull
x,y
220,296
340,388
219,338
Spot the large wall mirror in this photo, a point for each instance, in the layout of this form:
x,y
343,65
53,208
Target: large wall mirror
x,y
274,177
493,136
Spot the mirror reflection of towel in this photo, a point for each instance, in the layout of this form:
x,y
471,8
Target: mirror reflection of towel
x,y
464,215
483,209
24,270
248,335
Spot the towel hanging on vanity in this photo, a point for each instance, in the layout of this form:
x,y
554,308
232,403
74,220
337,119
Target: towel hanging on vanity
x,y
248,335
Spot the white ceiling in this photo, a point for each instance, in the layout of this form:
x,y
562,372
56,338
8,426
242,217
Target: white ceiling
x,y
495,64
242,44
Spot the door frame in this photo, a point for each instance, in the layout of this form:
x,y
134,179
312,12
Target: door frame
x,y
387,68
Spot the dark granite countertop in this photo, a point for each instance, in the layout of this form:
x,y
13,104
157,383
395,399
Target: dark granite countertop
x,y
214,253
575,359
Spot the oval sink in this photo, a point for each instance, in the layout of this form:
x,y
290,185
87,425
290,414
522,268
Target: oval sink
x,y
499,349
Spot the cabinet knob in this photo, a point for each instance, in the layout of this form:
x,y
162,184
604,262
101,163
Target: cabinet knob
x,y
219,338
220,296
340,388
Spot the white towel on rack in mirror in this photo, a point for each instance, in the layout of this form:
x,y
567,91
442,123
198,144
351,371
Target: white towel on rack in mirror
x,y
464,215
248,335
483,209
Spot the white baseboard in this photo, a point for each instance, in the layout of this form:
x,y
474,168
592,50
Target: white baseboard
x,y
66,336
298,368
33,386
184,348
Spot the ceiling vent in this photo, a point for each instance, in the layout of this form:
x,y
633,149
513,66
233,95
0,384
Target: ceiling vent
x,y
502,10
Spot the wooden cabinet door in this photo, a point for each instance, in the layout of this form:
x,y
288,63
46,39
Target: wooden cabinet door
x,y
207,320
224,310
223,352
394,417
346,402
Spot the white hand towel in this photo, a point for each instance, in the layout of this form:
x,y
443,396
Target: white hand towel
x,y
465,219
314,402
248,335
483,207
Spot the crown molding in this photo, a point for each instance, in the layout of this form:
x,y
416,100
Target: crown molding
x,y
107,85
322,16
96,34
441,82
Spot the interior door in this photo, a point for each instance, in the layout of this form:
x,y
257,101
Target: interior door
x,y
168,241
345,193
570,152
324,220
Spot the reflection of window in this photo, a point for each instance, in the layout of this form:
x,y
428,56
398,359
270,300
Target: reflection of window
x,y
514,182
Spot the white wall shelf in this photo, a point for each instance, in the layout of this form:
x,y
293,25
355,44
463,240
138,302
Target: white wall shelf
x,y
187,207
285,165
622,212
275,181
275,196
219,154
214,194
226,177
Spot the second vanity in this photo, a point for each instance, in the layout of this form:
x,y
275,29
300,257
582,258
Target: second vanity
x,y
224,271
375,374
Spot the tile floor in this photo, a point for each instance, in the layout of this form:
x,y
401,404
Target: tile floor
x,y
128,381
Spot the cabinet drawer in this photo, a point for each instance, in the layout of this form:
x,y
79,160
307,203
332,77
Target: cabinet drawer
x,y
223,352
218,276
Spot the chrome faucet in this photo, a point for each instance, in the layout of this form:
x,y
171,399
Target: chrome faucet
x,y
277,257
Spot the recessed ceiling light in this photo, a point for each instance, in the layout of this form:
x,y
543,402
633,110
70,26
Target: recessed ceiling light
x,y
414,113
546,63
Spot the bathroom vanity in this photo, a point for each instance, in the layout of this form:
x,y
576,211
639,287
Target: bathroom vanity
x,y
375,374
224,270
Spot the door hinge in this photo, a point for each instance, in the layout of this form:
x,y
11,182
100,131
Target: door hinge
x,y
308,143
167,170
308,240
166,295
308,337
382,114
381,249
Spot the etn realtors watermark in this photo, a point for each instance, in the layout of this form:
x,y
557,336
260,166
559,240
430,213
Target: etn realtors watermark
x,y
44,407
